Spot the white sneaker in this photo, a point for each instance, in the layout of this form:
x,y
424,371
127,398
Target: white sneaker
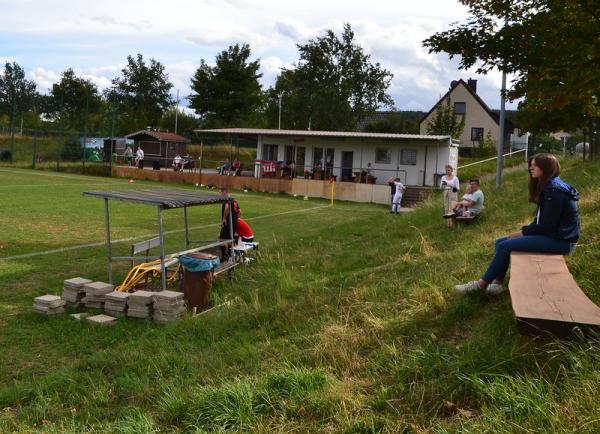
x,y
495,288
468,287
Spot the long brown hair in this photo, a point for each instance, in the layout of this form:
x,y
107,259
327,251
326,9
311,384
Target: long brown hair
x,y
550,168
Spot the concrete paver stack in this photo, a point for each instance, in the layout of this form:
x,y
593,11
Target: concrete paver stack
x,y
94,294
49,304
73,291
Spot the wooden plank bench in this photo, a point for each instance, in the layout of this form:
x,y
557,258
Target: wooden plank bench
x,y
469,219
546,298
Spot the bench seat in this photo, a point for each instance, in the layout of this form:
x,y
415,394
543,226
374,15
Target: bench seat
x,y
224,266
546,298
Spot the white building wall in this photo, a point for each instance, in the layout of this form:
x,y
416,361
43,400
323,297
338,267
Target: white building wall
x,y
364,152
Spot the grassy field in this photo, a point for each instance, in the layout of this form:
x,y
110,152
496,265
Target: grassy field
x,y
347,322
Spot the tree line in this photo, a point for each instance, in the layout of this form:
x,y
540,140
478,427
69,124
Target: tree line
x,y
333,84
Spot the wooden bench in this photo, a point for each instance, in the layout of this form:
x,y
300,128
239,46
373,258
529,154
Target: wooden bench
x,y
546,298
469,219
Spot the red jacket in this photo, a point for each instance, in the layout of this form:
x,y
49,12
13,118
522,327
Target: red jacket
x,y
243,230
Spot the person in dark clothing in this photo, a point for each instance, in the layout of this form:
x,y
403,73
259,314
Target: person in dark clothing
x,y
225,232
555,228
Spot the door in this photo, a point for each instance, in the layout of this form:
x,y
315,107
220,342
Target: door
x,y
347,161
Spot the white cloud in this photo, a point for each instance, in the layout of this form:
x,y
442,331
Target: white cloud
x,y
95,37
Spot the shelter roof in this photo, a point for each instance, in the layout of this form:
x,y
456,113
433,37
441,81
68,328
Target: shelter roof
x,y
162,136
164,198
310,133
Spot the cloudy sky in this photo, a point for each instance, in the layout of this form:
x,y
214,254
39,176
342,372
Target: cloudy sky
x,y
95,37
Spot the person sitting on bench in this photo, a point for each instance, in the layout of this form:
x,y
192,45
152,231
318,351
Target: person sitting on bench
x,y
555,229
243,232
464,203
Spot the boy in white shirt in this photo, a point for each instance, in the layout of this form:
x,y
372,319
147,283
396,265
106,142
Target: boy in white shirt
x,y
398,188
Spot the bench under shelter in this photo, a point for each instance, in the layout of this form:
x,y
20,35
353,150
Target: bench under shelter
x,y
164,199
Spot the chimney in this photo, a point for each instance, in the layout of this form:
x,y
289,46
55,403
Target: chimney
x,y
472,84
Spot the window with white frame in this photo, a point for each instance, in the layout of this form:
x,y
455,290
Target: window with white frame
x,y
408,157
383,155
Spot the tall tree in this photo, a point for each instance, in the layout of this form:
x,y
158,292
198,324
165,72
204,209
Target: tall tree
x,y
76,99
186,123
17,94
551,48
332,86
141,95
445,122
228,94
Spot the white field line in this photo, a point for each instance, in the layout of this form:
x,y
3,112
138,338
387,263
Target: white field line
x,y
25,172
138,237
58,185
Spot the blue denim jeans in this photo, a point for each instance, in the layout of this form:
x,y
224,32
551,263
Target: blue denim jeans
x,y
528,243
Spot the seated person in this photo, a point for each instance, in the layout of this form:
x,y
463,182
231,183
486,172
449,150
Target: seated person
x,y
187,162
224,167
464,202
243,232
236,166
177,163
469,207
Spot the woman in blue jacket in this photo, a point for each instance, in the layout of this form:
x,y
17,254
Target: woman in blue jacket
x,y
554,230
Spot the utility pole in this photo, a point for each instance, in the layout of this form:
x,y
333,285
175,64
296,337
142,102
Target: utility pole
x,y
280,97
501,137
85,124
12,129
500,148
176,110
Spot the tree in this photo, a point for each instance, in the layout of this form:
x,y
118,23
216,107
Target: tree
x,y
445,122
186,123
141,95
551,48
75,99
228,94
332,86
17,94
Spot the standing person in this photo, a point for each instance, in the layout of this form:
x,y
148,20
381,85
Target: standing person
x,y
450,186
225,233
139,157
555,229
397,189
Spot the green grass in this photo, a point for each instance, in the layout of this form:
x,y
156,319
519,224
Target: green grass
x,y
346,322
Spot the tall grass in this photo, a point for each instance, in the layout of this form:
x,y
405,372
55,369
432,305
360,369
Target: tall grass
x,y
346,322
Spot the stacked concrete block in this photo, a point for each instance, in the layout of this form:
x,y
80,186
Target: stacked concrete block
x,y
102,320
169,306
115,303
73,291
49,304
139,304
94,294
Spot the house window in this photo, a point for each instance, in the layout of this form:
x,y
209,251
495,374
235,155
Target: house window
x,y
460,108
476,134
383,155
269,152
408,157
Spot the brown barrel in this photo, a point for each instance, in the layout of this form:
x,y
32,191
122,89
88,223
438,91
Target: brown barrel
x,y
197,285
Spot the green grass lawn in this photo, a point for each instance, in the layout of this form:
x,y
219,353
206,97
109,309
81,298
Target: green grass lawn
x,y
346,322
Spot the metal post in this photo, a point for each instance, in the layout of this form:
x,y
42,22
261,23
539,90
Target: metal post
x,y
280,97
85,125
500,149
187,234
12,130
231,228
163,271
34,149
112,137
108,249
62,129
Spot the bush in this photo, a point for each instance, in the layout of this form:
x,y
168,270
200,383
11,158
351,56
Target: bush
x,y
5,155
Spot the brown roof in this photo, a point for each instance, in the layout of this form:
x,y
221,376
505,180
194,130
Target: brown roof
x,y
162,136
